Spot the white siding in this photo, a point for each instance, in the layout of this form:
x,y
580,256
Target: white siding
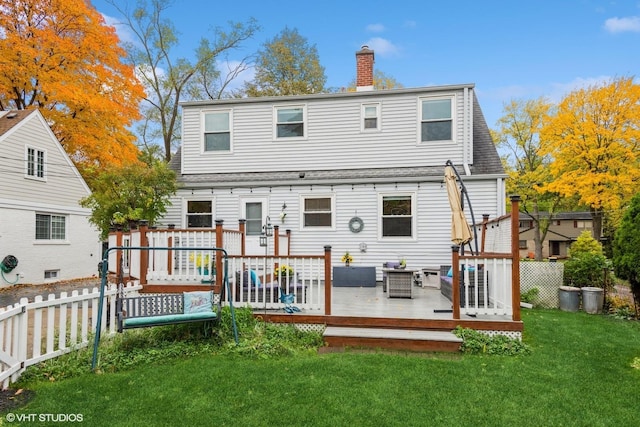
x,y
21,198
334,138
432,243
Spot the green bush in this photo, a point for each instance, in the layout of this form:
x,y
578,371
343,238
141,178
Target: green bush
x,y
475,342
587,266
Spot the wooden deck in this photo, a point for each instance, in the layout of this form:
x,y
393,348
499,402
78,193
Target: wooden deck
x,y
367,317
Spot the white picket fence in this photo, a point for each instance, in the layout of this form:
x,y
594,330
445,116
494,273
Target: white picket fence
x,y
31,332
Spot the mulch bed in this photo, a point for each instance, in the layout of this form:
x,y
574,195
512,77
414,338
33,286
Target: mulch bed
x,y
12,399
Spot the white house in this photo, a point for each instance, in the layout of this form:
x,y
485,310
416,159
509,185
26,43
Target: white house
x,y
41,222
359,171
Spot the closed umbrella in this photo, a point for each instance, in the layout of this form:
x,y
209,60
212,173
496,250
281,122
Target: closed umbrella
x,y
460,230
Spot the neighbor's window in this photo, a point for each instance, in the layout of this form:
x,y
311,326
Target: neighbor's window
x,y
199,214
217,133
254,218
437,119
50,227
289,122
35,163
522,244
370,117
51,274
397,216
317,212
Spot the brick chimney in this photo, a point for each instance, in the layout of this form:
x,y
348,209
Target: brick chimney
x,y
364,68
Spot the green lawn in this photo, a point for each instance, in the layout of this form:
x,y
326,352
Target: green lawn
x,y
583,370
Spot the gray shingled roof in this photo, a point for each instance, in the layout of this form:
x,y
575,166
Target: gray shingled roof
x,y
485,162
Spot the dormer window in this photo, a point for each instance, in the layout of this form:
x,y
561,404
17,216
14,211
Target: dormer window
x,y
436,123
217,131
290,122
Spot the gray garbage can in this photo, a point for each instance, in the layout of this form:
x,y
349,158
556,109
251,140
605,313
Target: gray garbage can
x,y
569,298
592,299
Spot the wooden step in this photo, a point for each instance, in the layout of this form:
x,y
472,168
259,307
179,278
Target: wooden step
x,y
396,339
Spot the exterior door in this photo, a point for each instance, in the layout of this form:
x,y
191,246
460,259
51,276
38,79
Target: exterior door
x,y
254,211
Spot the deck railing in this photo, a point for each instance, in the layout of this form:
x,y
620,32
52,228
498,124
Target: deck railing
x,y
31,332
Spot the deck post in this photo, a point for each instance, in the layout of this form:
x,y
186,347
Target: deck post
x,y
327,280
119,240
455,286
515,255
288,231
144,254
217,285
242,227
485,220
276,240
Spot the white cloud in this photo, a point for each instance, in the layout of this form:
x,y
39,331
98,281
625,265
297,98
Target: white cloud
x,y
375,28
123,32
382,47
619,25
410,24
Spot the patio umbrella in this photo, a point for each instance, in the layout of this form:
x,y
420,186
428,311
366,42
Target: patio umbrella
x,y
460,230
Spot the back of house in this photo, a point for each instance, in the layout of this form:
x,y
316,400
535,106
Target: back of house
x,y
41,222
359,171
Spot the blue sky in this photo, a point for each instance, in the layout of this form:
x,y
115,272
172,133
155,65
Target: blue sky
x,y
508,48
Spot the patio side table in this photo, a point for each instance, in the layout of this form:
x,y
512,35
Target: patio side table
x,y
399,282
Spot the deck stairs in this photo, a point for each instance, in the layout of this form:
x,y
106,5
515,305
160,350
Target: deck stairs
x,y
343,337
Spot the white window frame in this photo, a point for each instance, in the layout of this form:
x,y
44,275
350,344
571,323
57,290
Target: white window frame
x,y
196,198
277,108
36,163
414,231
423,99
364,117
64,239
203,131
332,198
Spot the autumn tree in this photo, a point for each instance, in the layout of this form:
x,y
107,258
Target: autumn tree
x,y
518,136
381,81
287,65
594,140
169,77
60,57
131,192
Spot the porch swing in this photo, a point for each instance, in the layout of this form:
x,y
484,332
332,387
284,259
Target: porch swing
x,y
159,309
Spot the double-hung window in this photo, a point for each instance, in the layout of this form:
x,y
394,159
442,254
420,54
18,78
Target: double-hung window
x,y
436,119
35,163
397,215
290,122
217,131
318,212
370,117
199,214
51,227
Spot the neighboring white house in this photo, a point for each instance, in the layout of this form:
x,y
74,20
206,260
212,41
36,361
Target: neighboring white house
x,y
360,171
41,221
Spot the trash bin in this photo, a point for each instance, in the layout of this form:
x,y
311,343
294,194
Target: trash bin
x,y
592,299
569,298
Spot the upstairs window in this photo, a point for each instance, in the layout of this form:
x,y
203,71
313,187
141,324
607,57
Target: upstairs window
x,y
318,212
217,133
199,214
370,117
436,119
51,227
290,122
35,163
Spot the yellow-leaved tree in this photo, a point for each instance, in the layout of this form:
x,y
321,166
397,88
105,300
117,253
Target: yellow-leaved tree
x,y
594,140
60,57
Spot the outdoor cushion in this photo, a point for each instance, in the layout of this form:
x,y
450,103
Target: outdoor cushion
x,y
168,319
197,302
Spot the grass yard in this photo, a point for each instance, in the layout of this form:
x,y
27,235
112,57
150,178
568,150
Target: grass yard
x,y
583,370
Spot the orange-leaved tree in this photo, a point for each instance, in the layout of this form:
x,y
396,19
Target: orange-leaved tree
x,y
60,57
594,139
